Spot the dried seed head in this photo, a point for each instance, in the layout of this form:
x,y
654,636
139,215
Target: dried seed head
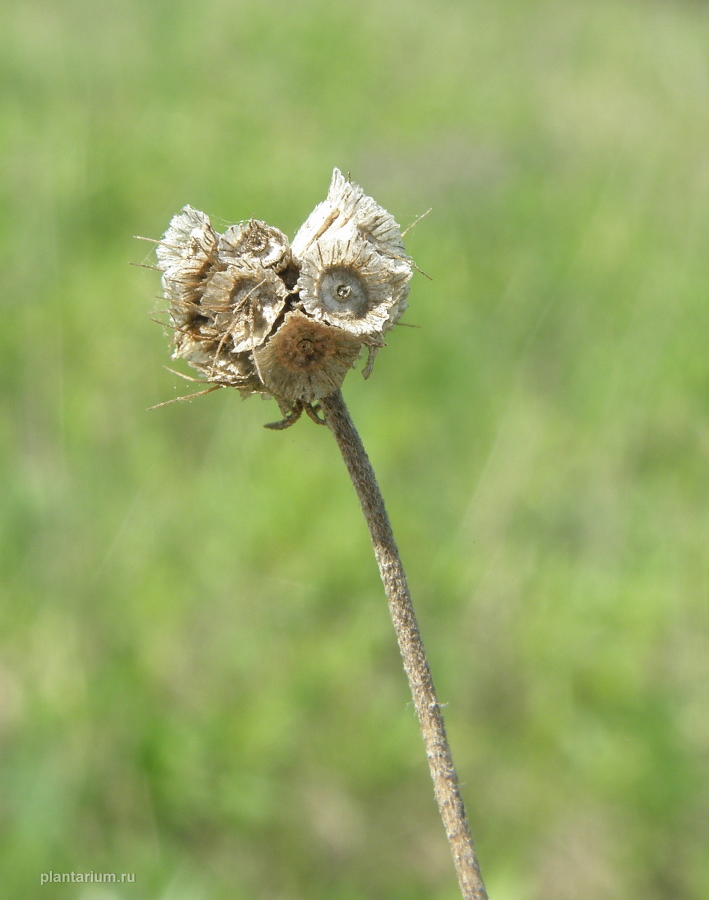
x,y
250,312
241,304
256,240
348,209
189,236
233,312
347,283
305,360
186,254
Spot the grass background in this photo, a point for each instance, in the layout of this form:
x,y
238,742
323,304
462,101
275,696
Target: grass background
x,y
199,682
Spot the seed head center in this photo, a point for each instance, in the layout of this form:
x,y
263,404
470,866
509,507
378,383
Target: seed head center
x,y
257,243
343,291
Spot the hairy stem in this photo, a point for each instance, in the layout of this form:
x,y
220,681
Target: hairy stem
x,y
445,780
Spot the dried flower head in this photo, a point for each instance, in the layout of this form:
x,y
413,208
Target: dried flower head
x,y
305,360
240,305
345,282
249,311
255,240
186,254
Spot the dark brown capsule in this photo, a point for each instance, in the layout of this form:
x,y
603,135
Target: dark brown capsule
x,y
306,360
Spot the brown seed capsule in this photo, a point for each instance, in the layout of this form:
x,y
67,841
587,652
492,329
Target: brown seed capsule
x,y
305,360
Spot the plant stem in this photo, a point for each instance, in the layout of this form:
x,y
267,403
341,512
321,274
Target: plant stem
x,y
445,780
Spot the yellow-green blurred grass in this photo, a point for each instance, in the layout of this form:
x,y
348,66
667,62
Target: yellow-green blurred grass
x,y
198,679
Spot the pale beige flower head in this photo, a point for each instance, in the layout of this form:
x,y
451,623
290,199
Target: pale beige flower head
x,y
241,304
256,240
186,254
345,282
189,237
249,311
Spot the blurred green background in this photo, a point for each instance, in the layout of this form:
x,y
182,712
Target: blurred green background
x,y
199,682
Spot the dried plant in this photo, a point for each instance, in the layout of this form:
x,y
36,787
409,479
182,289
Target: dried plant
x,y
250,311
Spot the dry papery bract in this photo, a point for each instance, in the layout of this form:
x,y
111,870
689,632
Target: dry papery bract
x,y
220,366
348,207
250,311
